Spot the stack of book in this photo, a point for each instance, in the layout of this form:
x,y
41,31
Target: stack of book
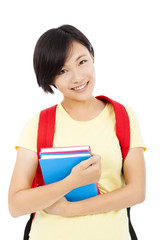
x,y
57,163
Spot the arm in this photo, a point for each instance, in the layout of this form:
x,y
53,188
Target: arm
x,y
132,193
24,200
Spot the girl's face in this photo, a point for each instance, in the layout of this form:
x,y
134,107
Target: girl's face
x,y
76,79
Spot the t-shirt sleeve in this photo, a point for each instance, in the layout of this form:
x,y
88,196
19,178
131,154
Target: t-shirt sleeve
x,y
136,139
28,137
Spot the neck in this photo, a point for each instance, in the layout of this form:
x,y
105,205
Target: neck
x,y
71,105
83,110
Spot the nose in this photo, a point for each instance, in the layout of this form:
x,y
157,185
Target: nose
x,y
77,76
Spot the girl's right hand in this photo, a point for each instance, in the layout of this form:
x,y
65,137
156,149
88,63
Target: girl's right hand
x,y
86,172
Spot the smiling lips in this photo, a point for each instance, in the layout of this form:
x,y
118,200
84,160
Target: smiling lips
x,y
80,87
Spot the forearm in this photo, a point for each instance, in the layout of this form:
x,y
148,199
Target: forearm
x,y
35,199
132,193
115,200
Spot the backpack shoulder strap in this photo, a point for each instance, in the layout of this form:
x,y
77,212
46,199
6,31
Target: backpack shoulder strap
x,y
46,128
45,136
123,135
122,125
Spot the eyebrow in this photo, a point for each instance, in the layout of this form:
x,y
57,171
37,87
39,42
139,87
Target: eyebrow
x,y
81,56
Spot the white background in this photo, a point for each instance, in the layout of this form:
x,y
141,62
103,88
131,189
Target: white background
x,y
126,39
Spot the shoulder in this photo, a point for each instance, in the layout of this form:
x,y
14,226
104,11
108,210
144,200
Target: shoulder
x,y
136,136
131,114
129,110
44,114
33,121
28,136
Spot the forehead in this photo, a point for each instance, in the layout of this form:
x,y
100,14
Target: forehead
x,y
76,50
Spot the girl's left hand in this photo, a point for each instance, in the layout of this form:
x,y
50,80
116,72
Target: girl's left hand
x,y
61,208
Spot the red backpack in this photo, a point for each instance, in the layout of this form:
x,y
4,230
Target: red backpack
x,y
45,137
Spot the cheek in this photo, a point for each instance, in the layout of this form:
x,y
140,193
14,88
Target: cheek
x,y
62,85
91,73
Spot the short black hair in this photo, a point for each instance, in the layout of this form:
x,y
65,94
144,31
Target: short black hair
x,y
51,52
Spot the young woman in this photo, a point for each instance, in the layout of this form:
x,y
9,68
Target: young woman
x,y
64,59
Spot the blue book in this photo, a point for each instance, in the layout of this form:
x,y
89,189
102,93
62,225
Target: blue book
x,y
56,167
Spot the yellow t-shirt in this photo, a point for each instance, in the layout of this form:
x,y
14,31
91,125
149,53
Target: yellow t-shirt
x,y
100,134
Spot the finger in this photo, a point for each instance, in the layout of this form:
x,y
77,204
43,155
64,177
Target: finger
x,y
90,161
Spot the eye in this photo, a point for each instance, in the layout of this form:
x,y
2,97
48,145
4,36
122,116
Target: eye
x,y
83,61
62,71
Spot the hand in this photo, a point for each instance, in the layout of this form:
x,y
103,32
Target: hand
x,y
86,172
59,208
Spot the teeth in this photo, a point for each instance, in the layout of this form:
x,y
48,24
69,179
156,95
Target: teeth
x,y
81,87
